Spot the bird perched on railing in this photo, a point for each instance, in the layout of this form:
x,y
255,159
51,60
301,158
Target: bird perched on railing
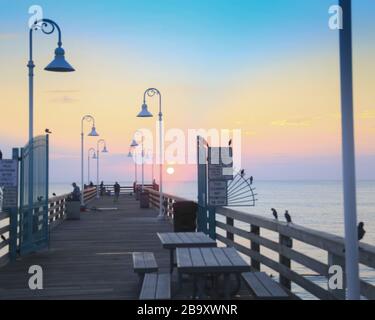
x,y
288,218
274,212
361,231
54,194
47,131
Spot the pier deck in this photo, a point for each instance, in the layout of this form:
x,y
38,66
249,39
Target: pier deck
x,y
91,258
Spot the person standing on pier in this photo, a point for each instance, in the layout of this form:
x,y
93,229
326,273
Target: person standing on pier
x,y
76,194
117,189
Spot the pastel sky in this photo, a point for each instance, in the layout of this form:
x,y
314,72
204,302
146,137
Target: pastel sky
x,y
269,68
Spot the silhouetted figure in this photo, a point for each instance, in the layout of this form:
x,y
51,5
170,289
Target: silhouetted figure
x,y
1,155
76,194
117,189
361,231
3,238
230,142
91,184
274,212
288,218
242,172
251,180
102,189
47,131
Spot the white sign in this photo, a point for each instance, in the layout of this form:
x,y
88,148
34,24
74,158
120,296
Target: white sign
x,y
8,173
9,182
217,193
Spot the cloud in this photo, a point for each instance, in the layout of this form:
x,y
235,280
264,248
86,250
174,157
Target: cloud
x,y
294,122
63,91
64,100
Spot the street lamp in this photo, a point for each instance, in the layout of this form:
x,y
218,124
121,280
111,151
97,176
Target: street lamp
x,y
348,151
93,133
135,144
59,64
146,114
91,151
134,156
101,141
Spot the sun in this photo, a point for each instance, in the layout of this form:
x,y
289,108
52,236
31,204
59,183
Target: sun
x,y
170,170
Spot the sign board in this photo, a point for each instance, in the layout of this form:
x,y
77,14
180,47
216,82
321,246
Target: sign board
x,y
220,171
220,164
218,193
9,182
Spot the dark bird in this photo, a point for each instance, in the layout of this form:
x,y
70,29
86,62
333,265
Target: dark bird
x,y
47,131
242,172
361,231
3,238
288,218
54,194
274,212
251,180
40,199
230,142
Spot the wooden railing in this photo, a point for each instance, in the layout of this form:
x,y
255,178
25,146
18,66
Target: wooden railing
x,y
4,238
56,215
279,246
124,190
168,201
235,228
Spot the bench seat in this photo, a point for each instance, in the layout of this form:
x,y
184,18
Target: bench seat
x,y
263,287
144,262
156,287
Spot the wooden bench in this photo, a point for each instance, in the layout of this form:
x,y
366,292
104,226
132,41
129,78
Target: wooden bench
x,y
263,287
156,287
144,262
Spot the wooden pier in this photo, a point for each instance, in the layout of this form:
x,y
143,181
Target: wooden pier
x,y
92,258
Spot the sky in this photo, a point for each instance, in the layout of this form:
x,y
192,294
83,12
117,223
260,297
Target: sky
x,y
269,68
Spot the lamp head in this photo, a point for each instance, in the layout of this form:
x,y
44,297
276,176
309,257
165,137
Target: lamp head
x,y
134,144
94,156
105,150
130,155
93,133
145,113
59,64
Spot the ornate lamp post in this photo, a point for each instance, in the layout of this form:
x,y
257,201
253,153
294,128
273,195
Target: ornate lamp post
x,y
93,133
93,152
146,114
105,150
59,64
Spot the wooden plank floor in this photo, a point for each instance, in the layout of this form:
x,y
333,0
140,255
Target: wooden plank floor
x,y
92,258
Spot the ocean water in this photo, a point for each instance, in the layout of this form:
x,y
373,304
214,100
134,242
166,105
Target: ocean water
x,y
313,204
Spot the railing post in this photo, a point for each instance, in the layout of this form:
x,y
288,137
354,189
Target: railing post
x,y
335,260
212,223
255,247
13,220
230,235
286,242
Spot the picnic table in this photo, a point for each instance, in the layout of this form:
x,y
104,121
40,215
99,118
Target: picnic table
x,y
202,263
173,240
